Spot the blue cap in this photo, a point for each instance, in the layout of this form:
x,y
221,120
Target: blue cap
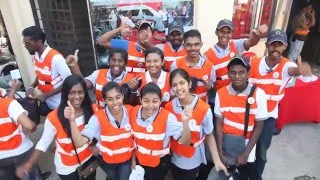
x,y
277,35
224,23
239,60
175,28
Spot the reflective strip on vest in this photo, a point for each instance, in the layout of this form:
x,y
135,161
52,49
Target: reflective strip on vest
x,y
237,125
101,103
237,110
274,97
113,152
56,80
224,77
202,95
200,141
277,82
136,58
6,138
99,87
130,69
154,137
116,137
43,71
73,152
172,58
64,140
144,150
221,65
5,120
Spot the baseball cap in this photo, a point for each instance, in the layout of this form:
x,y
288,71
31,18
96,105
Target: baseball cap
x,y
236,60
3,92
277,35
225,22
143,25
175,28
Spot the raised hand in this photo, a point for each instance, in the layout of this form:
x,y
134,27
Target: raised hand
x,y
134,83
303,67
125,29
186,113
72,60
69,112
261,31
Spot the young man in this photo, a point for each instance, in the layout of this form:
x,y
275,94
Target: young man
x,y
200,69
230,110
136,60
15,146
271,73
173,49
50,67
221,53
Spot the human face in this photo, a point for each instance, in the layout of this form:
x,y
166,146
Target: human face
x,y
150,103
114,101
145,37
154,63
176,38
30,45
224,35
180,86
275,49
117,64
238,75
76,95
193,46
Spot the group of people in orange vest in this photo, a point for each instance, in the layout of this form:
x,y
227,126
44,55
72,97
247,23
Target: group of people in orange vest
x,y
155,108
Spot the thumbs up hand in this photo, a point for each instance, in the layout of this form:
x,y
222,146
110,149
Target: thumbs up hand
x,y
186,113
69,112
303,67
72,60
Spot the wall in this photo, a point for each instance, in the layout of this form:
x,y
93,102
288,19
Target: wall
x,y
17,15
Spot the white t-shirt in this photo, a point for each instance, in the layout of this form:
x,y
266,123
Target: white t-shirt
x,y
59,67
15,110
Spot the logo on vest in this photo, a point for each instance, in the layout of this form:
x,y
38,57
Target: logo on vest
x,y
232,54
140,64
127,127
205,77
149,128
192,124
166,96
275,75
251,100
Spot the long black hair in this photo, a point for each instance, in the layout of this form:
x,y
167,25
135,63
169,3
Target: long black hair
x,y
86,105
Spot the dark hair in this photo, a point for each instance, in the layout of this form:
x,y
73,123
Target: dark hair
x,y
86,105
35,33
192,33
109,86
123,53
154,50
150,88
144,26
238,61
183,73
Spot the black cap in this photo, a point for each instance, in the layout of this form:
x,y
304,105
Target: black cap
x,y
175,28
143,25
277,35
236,60
225,22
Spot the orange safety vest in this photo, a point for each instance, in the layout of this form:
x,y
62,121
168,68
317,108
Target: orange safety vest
x,y
195,123
233,110
64,143
116,144
221,64
270,83
171,56
10,137
203,73
165,90
44,71
136,59
102,80
149,140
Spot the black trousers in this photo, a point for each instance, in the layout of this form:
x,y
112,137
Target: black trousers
x,y
179,174
159,172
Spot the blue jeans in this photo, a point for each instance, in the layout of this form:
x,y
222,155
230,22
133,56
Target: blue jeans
x,y
120,171
263,145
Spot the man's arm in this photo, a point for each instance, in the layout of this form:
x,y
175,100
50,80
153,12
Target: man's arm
x,y
105,40
303,69
254,39
219,136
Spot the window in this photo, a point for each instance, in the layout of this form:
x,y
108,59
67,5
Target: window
x,y
249,14
147,12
